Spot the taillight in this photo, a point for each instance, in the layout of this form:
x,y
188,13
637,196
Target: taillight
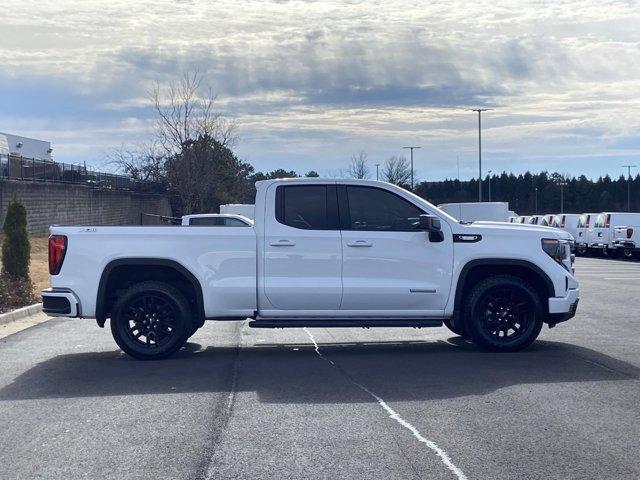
x,y
562,221
629,232
57,250
586,224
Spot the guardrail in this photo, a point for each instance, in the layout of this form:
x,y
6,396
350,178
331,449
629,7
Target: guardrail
x,y
15,167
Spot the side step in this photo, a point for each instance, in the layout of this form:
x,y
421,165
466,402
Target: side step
x,y
346,322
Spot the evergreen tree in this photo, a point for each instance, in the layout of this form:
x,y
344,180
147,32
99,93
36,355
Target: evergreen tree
x,y
16,250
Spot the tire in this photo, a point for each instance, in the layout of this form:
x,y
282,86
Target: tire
x,y
503,314
194,329
151,320
628,254
458,330
582,250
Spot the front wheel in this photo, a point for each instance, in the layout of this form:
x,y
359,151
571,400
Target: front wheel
x,y
151,320
581,250
503,313
628,253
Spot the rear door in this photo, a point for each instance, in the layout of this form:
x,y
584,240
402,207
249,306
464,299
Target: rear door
x,y
302,247
389,266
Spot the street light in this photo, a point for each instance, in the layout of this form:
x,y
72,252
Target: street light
x,y
489,173
536,200
629,167
479,110
562,184
377,176
412,149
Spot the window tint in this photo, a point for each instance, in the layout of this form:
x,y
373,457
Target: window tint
x,y
206,221
373,209
309,207
234,222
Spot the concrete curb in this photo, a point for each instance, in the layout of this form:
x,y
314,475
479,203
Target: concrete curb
x,y
20,313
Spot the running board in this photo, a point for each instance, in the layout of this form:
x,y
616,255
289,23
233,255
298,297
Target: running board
x,y
346,322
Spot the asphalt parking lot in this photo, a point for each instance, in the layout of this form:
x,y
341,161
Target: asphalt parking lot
x,y
340,403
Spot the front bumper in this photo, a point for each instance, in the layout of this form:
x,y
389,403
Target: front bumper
x,y
563,308
58,302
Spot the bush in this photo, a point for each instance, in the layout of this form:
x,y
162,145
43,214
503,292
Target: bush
x,y
16,250
15,292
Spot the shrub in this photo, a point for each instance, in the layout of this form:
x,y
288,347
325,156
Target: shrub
x,y
16,250
15,292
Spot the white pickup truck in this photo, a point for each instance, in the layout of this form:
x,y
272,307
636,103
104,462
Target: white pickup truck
x,y
321,253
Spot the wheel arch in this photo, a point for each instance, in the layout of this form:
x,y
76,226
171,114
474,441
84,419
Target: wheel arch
x,y
157,269
482,268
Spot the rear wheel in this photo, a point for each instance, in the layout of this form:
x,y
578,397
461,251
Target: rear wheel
x,y
503,313
581,250
151,320
628,253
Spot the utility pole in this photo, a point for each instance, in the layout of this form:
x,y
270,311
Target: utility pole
x,y
489,173
480,110
377,176
629,167
412,149
536,200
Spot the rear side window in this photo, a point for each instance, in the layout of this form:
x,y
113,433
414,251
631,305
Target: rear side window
x,y
216,222
374,209
308,207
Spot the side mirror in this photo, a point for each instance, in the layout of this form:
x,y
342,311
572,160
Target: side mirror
x,y
431,225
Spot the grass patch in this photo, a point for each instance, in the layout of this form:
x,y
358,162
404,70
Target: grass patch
x,y
39,267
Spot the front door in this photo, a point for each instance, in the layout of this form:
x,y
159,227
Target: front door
x,y
389,266
302,248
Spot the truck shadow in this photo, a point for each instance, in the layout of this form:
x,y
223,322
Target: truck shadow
x,y
425,370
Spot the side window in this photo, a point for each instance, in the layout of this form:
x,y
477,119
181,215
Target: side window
x,y
308,207
234,222
206,221
374,209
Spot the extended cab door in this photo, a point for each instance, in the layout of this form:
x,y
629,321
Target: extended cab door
x,y
390,267
302,248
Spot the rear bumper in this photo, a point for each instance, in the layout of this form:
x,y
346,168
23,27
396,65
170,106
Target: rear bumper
x,y
563,308
60,303
624,244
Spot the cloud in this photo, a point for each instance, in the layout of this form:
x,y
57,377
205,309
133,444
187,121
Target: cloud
x,y
307,78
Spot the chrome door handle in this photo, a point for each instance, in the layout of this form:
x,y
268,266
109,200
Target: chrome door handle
x,y
359,243
282,243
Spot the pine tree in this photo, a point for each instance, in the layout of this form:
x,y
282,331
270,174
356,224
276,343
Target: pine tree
x,y
16,251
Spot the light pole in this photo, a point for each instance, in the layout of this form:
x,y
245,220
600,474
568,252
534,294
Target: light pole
x,y
412,149
629,167
536,200
377,176
489,173
479,110
562,184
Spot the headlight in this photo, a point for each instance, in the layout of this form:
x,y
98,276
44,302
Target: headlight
x,y
557,249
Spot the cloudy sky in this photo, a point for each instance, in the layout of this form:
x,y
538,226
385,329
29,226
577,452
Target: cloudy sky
x,y
311,82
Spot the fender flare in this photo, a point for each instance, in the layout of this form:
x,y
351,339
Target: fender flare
x,y
101,314
511,262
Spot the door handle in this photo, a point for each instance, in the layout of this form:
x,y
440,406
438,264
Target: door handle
x,y
282,243
359,243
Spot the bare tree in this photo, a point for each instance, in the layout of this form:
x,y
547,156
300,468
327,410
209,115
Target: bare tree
x,y
359,167
144,163
186,112
397,170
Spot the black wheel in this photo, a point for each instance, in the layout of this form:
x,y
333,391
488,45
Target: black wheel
x,y
628,253
458,330
151,320
581,250
504,313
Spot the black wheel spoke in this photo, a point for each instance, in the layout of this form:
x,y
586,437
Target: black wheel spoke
x,y
505,313
150,320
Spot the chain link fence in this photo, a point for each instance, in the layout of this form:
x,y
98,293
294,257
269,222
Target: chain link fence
x,y
15,167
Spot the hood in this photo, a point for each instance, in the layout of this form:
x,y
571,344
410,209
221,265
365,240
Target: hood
x,y
518,227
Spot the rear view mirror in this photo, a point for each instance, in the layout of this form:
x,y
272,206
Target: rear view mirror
x,y
431,224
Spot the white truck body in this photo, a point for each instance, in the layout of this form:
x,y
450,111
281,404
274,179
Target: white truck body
x,y
626,238
567,222
302,262
601,235
478,211
244,209
585,222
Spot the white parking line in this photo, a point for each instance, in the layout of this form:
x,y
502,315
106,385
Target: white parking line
x,y
394,415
